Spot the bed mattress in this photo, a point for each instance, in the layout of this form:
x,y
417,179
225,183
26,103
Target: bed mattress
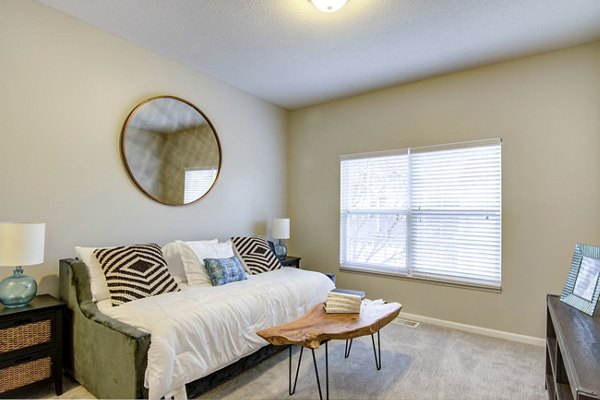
x,y
202,329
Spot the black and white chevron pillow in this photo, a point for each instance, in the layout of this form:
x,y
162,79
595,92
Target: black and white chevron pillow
x,y
256,254
134,272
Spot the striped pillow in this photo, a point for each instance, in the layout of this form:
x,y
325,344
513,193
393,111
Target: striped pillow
x,y
134,272
256,254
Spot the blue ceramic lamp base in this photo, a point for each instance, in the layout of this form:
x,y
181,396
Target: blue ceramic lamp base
x,y
17,290
280,249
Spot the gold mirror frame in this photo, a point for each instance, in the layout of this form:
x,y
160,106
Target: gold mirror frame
x,y
164,141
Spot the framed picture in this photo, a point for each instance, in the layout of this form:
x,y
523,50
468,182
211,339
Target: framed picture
x,y
582,289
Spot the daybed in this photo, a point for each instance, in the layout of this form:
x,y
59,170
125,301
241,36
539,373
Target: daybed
x,y
197,336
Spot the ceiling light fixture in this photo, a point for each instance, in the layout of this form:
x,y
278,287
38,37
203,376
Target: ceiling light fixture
x,y
329,5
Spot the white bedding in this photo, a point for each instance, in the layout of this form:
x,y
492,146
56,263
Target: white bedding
x,y
202,329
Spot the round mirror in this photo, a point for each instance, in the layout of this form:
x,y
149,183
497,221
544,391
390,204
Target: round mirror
x,y
170,150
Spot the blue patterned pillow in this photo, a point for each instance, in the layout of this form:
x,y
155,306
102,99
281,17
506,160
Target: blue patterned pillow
x,y
224,270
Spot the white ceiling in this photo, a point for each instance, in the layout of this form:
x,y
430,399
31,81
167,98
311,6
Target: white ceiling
x,y
287,52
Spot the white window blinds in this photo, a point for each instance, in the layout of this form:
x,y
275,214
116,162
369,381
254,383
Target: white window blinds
x,y
197,182
456,208
432,212
374,211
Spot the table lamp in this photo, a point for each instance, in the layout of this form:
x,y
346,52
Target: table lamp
x,y
281,230
21,243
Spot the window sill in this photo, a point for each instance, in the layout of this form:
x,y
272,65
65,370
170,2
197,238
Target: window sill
x,y
442,282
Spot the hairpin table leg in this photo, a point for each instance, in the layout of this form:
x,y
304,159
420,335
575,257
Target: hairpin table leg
x,y
348,348
292,390
326,371
317,374
326,374
377,352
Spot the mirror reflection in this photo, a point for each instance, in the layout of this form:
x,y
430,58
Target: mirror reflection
x,y
171,150
588,274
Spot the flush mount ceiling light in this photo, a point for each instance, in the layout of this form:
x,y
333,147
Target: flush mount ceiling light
x,y
329,5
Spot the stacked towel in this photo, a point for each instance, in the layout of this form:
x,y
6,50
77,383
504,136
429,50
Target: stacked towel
x,y
342,303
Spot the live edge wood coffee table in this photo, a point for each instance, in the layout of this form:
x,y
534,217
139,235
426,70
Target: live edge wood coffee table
x,y
317,327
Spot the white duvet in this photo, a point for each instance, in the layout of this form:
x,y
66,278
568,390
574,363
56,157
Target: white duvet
x,y
202,329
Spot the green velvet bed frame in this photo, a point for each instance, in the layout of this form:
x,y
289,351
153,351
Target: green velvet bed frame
x,y
109,357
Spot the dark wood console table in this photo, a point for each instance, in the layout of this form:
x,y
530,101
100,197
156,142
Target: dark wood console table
x,y
572,352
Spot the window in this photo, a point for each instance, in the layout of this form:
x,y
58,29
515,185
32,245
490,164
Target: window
x,y
197,182
430,212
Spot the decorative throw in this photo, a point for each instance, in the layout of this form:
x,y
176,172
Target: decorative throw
x,y
256,254
134,272
224,270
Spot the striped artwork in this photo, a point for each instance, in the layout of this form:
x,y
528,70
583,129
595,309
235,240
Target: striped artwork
x,y
256,254
582,288
134,272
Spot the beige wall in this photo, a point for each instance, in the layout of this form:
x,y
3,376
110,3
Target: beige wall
x,y
66,89
547,111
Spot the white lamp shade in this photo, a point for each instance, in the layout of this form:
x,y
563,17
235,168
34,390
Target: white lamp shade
x,y
281,228
21,243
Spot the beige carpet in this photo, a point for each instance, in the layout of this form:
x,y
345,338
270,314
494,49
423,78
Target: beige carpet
x,y
423,363
426,362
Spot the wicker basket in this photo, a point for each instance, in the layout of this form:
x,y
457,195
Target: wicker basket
x,y
17,376
26,335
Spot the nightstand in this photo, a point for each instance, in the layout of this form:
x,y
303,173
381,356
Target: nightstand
x,y
30,346
290,261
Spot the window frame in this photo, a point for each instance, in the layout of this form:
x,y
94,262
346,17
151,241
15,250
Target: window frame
x,y
408,271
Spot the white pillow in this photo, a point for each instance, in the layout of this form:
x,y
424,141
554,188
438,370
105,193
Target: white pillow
x,y
172,254
193,255
98,284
